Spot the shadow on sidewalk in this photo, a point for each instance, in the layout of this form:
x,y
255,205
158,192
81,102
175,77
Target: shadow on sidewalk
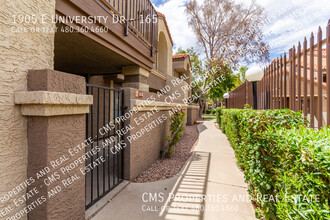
x,y
187,198
201,127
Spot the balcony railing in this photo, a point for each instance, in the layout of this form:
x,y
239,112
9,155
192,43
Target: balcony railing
x,y
139,17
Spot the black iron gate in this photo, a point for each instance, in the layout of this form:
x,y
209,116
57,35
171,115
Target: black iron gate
x,y
105,157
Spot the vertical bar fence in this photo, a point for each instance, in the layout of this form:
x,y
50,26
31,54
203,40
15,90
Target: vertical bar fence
x,y
299,82
105,156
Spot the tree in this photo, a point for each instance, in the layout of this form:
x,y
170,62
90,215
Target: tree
x,y
241,76
228,82
228,33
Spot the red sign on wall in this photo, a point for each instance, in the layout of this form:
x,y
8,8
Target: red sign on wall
x,y
139,94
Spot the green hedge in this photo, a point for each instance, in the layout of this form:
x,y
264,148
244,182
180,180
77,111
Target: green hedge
x,y
229,125
282,159
210,111
218,112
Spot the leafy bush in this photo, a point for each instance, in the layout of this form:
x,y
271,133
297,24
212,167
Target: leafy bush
x,y
229,125
281,159
218,112
176,128
210,111
305,171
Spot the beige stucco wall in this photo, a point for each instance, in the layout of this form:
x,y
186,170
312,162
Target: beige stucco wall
x,y
183,66
192,114
19,53
143,151
163,30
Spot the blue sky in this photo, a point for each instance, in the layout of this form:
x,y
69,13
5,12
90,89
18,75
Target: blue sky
x,y
291,21
159,2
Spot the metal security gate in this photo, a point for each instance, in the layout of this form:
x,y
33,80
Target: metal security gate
x,y
104,163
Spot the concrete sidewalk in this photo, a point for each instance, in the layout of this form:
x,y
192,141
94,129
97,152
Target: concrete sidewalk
x,y
210,186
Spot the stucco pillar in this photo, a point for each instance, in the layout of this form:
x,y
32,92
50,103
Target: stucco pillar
x,y
21,49
136,77
55,105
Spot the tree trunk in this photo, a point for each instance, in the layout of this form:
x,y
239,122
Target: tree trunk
x,y
203,95
201,108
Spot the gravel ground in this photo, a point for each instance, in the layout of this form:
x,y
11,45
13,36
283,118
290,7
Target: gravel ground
x,y
164,169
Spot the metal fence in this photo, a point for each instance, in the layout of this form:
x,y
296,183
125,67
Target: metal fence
x,y
107,106
298,81
239,96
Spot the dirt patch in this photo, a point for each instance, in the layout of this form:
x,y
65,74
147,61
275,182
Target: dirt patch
x,y
164,169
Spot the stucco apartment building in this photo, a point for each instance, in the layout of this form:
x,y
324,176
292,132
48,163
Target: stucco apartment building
x,y
86,90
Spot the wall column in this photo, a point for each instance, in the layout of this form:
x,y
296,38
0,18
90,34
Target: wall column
x,y
55,105
136,77
21,50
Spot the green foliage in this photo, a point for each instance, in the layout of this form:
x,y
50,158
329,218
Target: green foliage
x,y
210,111
209,116
227,83
196,62
218,112
229,125
305,171
176,129
241,73
247,106
282,159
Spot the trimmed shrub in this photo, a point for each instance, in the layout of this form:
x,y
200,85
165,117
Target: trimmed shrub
x,y
282,159
210,111
218,112
229,125
302,173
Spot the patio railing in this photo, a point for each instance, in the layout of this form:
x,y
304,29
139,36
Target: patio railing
x,y
139,17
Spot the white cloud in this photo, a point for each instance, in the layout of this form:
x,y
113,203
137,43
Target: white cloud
x,y
291,21
182,34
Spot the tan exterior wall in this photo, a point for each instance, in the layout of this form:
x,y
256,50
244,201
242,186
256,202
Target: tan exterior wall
x,y
49,138
142,152
182,67
163,30
192,114
69,203
177,86
99,80
19,53
155,82
146,150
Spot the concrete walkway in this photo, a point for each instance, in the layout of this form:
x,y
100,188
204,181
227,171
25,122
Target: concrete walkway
x,y
210,180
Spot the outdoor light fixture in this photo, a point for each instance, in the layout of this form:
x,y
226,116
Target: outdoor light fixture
x,y
254,75
226,96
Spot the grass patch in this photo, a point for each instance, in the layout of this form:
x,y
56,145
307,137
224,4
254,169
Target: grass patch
x,y
209,116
